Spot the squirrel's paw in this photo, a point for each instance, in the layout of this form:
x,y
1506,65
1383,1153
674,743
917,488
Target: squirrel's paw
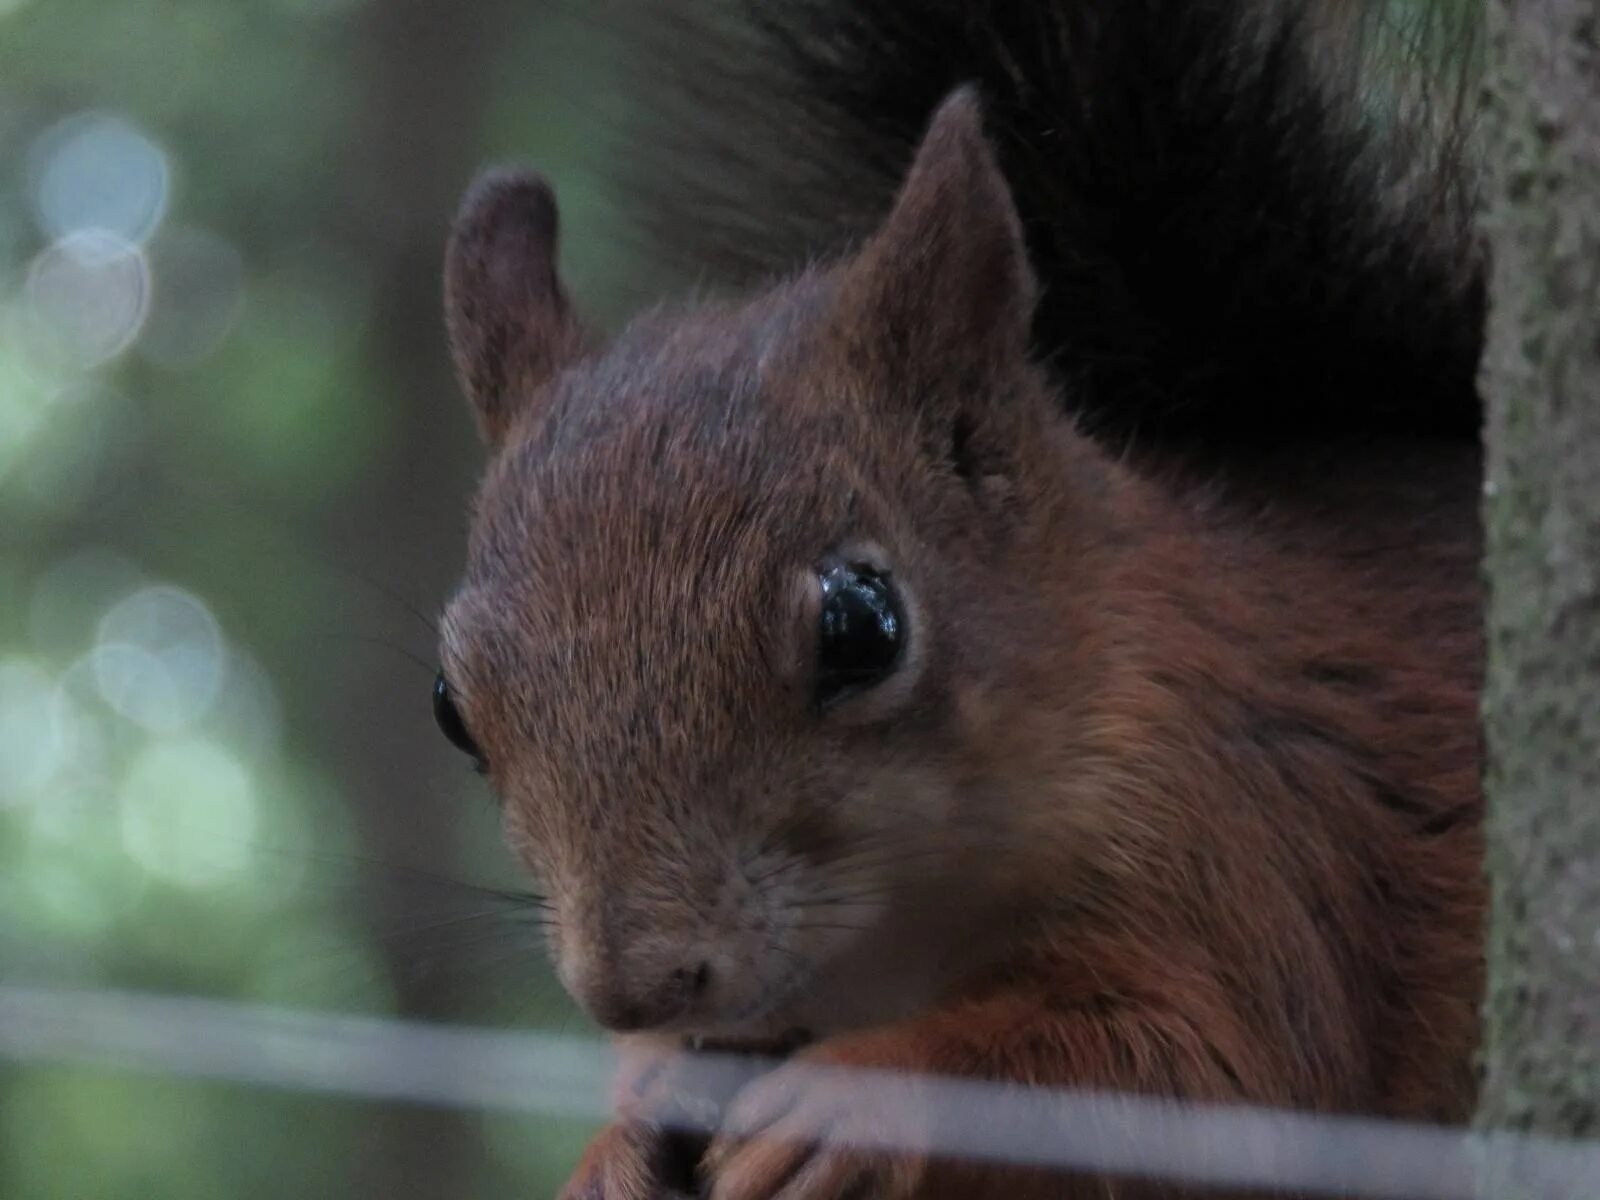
x,y
793,1137
634,1158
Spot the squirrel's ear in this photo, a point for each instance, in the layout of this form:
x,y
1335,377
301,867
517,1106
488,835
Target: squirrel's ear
x,y
946,278
510,326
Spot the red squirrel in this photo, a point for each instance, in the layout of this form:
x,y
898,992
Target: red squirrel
x,y
1037,641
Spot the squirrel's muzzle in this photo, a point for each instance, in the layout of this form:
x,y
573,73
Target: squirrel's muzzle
x,y
625,998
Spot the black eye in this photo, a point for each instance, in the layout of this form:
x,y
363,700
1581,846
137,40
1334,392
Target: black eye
x,y
450,723
861,630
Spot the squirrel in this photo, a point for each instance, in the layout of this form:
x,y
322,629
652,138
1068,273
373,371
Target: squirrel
x,y
1036,639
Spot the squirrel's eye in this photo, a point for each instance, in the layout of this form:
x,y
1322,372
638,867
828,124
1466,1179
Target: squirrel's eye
x,y
861,630
450,723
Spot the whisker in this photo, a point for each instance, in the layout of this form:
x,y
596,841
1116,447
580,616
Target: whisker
x,y
427,622
380,643
381,867
451,922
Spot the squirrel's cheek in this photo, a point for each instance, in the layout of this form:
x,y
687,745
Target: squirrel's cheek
x,y
524,839
977,710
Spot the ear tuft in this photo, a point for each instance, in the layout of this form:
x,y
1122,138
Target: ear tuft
x,y
509,322
947,274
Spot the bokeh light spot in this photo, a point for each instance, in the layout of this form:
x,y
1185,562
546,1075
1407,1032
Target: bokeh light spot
x,y
188,812
98,171
160,658
86,297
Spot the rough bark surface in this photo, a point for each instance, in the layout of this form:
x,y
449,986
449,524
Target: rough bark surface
x,y
1541,376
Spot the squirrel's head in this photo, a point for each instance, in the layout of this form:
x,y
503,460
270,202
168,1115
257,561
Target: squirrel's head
x,y
746,597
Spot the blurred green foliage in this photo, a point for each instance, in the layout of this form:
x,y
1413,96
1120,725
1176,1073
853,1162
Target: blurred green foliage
x,y
232,464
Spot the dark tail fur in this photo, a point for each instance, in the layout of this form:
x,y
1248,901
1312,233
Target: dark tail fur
x,y
1244,237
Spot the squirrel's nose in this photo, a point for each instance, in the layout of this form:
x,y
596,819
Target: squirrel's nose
x,y
627,1005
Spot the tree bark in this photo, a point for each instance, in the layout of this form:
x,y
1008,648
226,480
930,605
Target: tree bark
x,y
1541,378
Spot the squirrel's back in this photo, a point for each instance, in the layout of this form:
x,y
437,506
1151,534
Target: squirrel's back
x,y
1251,220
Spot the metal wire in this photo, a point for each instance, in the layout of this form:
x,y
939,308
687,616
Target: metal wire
x,y
555,1076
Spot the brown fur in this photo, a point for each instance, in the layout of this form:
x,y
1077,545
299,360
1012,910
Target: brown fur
x,y
1175,792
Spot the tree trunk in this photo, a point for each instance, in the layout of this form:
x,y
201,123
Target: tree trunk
x,y
423,67
1541,377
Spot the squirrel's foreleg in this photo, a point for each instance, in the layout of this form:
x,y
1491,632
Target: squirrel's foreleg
x,y
787,1136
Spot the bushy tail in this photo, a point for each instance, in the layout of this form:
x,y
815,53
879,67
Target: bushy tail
x,y
1245,235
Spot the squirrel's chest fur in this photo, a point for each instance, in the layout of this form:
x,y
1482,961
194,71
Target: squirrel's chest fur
x,y
1279,771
